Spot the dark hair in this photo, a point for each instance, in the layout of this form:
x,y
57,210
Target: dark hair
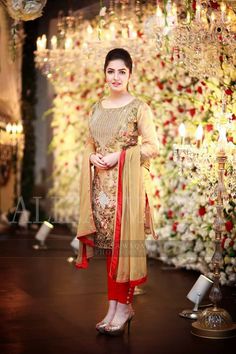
x,y
119,53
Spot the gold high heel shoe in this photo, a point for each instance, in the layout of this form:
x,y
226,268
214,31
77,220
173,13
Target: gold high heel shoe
x,y
117,330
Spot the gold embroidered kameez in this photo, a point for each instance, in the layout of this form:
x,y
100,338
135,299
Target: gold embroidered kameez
x,y
112,130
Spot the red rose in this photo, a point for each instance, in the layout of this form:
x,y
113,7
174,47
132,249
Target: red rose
x,y
209,127
140,34
199,89
233,117
229,92
183,186
167,122
164,140
188,89
192,112
180,109
179,87
214,5
157,193
170,214
211,202
229,225
160,85
201,211
230,138
174,226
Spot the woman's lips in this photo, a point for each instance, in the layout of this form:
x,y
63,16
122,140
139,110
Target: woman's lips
x,y
116,84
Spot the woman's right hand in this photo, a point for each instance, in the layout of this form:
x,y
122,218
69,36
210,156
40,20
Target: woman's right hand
x,y
96,160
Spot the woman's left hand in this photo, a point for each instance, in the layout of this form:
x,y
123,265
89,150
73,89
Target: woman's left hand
x,y
111,159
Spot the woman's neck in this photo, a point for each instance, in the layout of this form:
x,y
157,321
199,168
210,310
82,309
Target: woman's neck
x,y
119,96
117,99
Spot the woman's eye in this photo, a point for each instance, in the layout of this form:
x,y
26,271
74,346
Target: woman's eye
x,y
110,72
122,72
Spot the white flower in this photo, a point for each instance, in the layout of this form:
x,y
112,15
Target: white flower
x,y
166,231
181,228
227,242
103,11
199,246
192,227
212,234
189,236
232,277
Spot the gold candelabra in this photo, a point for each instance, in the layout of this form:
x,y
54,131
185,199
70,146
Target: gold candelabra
x,y
214,322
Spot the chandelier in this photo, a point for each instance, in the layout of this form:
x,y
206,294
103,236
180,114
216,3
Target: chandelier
x,y
24,10
204,40
79,42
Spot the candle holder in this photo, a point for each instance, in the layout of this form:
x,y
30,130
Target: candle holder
x,y
214,322
15,136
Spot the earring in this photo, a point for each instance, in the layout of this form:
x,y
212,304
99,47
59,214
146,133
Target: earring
x,y
106,89
130,86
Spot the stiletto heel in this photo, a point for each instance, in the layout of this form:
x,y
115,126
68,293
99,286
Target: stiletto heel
x,y
129,322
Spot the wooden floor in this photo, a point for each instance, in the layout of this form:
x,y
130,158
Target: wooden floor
x,y
47,306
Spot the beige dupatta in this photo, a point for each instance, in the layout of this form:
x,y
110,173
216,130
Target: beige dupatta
x,y
129,254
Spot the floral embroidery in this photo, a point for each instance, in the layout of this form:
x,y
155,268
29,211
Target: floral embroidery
x,y
103,199
105,182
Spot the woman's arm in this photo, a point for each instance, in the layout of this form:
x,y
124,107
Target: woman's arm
x,y
89,144
147,130
94,158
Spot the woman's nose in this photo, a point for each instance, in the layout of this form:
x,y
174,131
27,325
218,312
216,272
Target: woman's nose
x,y
116,75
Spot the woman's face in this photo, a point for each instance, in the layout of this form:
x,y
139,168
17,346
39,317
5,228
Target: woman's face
x,y
117,75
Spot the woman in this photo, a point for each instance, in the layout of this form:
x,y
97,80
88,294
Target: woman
x,y
115,202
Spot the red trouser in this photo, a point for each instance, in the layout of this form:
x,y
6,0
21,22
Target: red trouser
x,y
120,292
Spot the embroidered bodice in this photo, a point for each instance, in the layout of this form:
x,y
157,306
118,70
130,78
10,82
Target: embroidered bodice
x,y
113,129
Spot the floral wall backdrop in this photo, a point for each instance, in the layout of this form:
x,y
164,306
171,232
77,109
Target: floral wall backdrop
x,y
184,212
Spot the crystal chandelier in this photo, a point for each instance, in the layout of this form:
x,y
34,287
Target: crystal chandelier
x,y
203,41
80,41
